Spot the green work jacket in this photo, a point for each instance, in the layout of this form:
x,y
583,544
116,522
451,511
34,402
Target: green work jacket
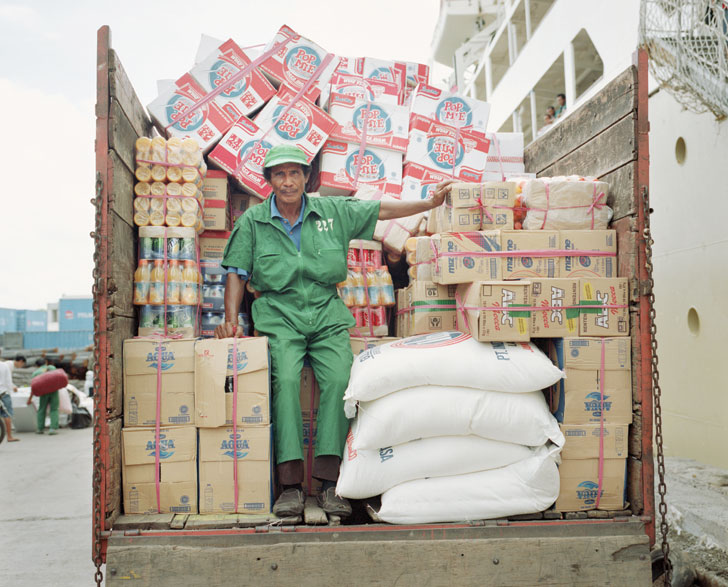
x,y
300,284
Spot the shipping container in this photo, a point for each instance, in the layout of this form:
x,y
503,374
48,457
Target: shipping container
x,y
8,320
607,137
75,314
31,320
69,339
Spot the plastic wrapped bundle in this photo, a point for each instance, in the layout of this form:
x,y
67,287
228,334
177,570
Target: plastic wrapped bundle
x,y
419,257
566,203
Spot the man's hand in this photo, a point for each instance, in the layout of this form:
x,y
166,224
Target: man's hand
x,y
229,330
390,209
441,190
30,401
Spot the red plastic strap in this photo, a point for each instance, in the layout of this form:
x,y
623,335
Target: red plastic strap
x,y
235,420
319,70
165,282
209,97
500,159
157,424
530,253
601,425
167,164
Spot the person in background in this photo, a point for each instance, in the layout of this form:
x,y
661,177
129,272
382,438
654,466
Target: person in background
x,y
551,111
50,399
6,387
548,120
560,105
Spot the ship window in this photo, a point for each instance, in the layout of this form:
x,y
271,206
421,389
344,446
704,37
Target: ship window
x,y
693,321
680,150
588,66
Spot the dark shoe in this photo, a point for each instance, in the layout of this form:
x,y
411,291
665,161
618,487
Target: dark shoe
x,y
52,432
289,503
333,504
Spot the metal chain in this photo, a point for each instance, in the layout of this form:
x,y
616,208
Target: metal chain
x,y
656,391
98,465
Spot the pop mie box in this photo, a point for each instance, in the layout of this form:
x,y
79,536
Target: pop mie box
x,y
387,125
430,307
440,147
505,157
536,265
603,241
214,382
560,300
451,108
484,310
241,98
577,398
381,169
296,61
579,485
177,470
354,85
470,261
419,182
177,395
417,73
172,113
388,71
604,321
218,447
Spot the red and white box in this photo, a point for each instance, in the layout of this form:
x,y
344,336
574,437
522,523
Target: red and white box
x,y
505,157
451,108
296,61
388,71
419,182
346,84
305,125
234,147
381,169
350,66
442,148
417,73
173,114
387,125
244,96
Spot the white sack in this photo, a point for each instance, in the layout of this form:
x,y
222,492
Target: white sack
x,y
427,411
64,402
525,487
568,204
448,358
366,473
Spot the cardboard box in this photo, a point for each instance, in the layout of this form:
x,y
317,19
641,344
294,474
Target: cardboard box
x,y
505,157
582,441
216,215
498,199
381,169
560,300
431,308
580,485
444,148
352,84
401,325
451,108
419,182
217,488
466,268
388,71
539,241
240,203
215,186
450,219
296,60
171,113
361,343
387,124
245,96
576,399
309,398
214,382
417,73
177,397
604,321
212,246
485,321
604,241
177,470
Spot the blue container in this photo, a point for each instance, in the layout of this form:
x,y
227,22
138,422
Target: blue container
x,y
8,320
32,320
75,314
69,339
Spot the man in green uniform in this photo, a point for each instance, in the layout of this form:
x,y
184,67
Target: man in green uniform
x,y
50,400
293,250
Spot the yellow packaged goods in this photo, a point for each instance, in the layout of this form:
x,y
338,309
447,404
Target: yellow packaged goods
x,y
498,200
580,490
177,470
430,308
218,449
566,203
419,257
610,317
214,380
582,441
309,398
533,245
593,390
584,264
462,257
489,310
361,343
559,299
175,360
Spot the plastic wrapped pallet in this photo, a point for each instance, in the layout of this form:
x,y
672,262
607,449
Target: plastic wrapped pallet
x,y
566,203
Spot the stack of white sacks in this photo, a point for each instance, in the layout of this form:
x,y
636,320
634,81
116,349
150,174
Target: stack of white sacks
x,y
450,429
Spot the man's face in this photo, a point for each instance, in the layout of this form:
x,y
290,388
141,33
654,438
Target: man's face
x,y
288,182
19,364
561,101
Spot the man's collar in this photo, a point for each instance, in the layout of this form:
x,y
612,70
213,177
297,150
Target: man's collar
x,y
276,213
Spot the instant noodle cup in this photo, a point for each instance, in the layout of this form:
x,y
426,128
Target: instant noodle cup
x,y
143,188
174,173
173,205
157,204
141,204
159,173
159,149
174,189
189,219
191,175
173,219
158,188
141,218
143,173
190,205
143,150
189,190
156,218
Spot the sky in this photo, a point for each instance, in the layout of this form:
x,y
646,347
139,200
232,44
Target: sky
x,y
47,95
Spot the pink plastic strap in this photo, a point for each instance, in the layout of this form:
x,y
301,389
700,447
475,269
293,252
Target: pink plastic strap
x,y
498,154
363,144
542,308
166,164
157,424
209,97
548,196
312,80
165,281
531,253
366,289
455,152
235,420
601,425
596,203
461,310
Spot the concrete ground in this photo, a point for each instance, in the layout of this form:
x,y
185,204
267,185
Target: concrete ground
x,y
45,510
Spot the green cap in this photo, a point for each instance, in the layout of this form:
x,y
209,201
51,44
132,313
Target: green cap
x,y
285,154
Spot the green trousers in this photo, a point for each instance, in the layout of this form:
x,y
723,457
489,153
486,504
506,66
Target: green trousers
x,y
50,399
329,352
